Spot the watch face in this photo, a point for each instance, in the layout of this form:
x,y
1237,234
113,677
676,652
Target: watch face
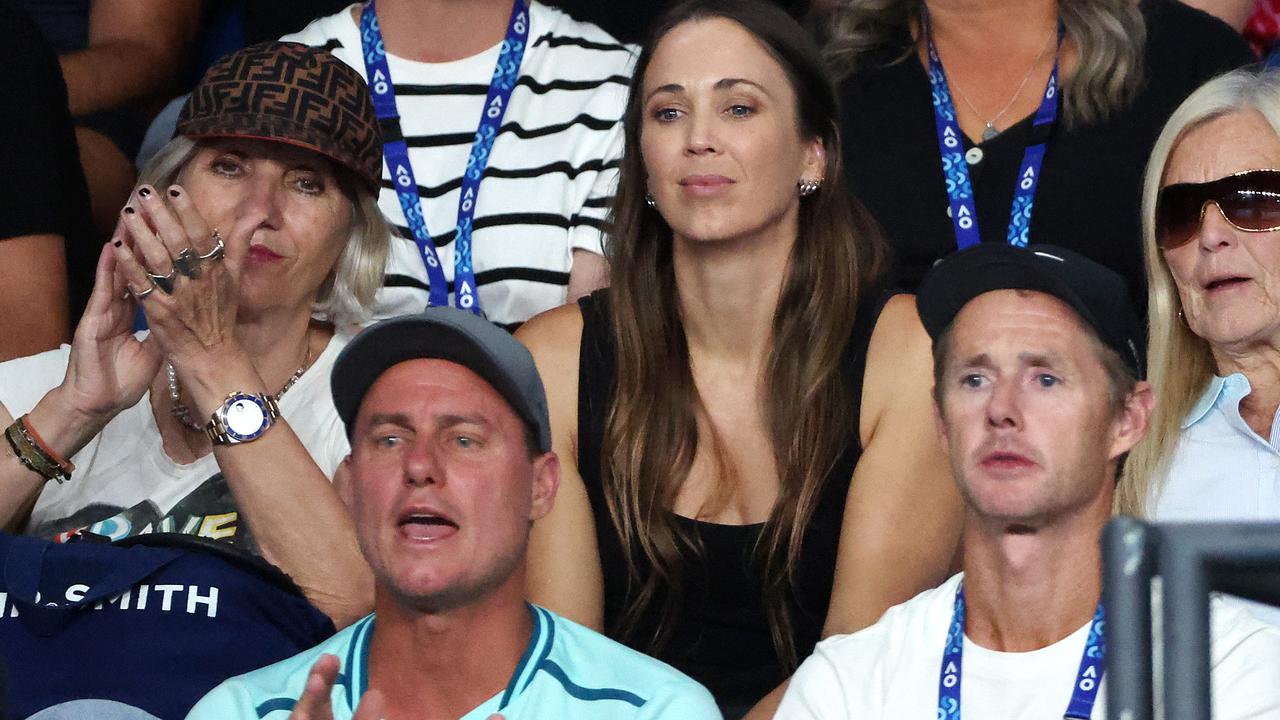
x,y
245,417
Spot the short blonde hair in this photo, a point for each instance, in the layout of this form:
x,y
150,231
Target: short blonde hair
x,y
347,294
1179,362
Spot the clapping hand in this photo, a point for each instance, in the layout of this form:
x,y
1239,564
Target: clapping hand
x,y
109,369
185,273
315,703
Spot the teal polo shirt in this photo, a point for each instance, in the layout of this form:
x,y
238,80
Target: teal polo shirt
x,y
567,671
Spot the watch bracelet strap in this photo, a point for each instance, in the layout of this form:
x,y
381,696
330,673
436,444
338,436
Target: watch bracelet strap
x,y
30,454
217,432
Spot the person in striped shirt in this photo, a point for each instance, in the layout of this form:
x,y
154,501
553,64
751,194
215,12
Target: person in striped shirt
x,y
451,463
538,212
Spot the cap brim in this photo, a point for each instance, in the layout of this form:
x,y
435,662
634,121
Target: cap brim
x,y
212,131
392,342
957,280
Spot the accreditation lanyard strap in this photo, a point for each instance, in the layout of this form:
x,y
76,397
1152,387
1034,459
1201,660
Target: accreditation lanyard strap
x,y
396,151
1088,678
955,169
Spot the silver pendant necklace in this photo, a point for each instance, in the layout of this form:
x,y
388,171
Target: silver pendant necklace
x,y
991,131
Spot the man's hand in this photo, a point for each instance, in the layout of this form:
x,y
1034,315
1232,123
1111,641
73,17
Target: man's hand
x,y
315,703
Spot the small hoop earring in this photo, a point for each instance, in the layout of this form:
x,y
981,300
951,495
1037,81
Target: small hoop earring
x,y
648,200
809,186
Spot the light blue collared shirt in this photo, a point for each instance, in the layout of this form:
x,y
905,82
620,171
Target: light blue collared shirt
x,y
1221,470
567,671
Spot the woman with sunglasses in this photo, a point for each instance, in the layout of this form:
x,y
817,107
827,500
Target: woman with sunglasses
x,y
1211,236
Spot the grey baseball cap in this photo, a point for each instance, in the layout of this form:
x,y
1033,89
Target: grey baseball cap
x,y
446,334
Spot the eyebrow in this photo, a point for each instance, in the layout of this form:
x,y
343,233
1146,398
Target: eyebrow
x,y
722,84
454,420
398,419
1048,359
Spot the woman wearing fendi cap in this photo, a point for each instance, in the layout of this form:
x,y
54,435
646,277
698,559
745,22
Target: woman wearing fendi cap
x,y
252,241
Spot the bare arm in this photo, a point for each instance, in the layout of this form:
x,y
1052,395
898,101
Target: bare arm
x,y
589,273
33,271
564,561
108,371
903,514
136,48
298,520
1233,12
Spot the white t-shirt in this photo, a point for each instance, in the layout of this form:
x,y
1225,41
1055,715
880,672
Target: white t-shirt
x,y
551,172
891,670
125,484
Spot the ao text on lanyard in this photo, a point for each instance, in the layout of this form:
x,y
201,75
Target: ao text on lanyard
x,y
505,74
1088,678
964,215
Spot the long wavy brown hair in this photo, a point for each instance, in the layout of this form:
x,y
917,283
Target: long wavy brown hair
x,y
651,430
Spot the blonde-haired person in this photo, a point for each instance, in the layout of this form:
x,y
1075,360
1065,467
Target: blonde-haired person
x,y
1211,221
252,246
1122,66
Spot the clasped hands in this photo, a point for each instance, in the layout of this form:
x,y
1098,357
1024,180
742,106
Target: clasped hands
x,y
153,261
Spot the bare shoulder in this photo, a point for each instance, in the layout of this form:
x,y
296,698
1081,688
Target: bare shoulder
x,y
553,336
898,329
899,361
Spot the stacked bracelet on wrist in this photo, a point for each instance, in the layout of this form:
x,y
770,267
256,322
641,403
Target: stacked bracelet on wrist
x,y
32,451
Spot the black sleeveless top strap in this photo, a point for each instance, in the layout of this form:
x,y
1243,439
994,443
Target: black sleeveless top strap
x,y
720,633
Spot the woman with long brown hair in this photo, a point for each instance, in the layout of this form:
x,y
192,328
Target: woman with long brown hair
x,y
744,417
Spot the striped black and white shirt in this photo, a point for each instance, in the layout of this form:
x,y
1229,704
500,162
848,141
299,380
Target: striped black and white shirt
x,y
551,173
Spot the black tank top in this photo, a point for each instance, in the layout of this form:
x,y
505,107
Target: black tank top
x,y
719,634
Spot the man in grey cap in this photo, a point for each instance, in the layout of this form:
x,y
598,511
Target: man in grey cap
x,y
1038,395
450,465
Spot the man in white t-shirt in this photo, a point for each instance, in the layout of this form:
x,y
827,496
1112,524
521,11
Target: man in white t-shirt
x,y
538,209
1038,399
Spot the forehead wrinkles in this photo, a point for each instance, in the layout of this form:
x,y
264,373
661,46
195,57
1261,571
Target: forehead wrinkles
x,y
444,387
1223,145
1017,322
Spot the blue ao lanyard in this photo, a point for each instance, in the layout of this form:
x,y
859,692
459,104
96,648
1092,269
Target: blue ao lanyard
x,y
1088,678
505,74
964,216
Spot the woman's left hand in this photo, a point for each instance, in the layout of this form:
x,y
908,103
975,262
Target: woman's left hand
x,y
192,310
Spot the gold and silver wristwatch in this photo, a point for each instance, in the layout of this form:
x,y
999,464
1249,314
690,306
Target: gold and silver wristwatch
x,y
243,418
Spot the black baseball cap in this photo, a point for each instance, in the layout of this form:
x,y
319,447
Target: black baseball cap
x,y
1098,294
446,334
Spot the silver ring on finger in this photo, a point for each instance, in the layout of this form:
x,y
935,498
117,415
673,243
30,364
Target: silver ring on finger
x,y
217,251
140,295
187,263
164,282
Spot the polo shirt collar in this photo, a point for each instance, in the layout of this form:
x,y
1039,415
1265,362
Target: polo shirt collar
x,y
539,647
1224,392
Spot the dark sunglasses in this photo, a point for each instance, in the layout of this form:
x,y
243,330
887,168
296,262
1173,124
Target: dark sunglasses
x,y
1250,201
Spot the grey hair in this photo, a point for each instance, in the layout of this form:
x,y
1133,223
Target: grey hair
x,y
347,294
1109,36
1180,363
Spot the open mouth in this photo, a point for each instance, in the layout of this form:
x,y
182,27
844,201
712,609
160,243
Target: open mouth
x,y
423,526
1225,283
